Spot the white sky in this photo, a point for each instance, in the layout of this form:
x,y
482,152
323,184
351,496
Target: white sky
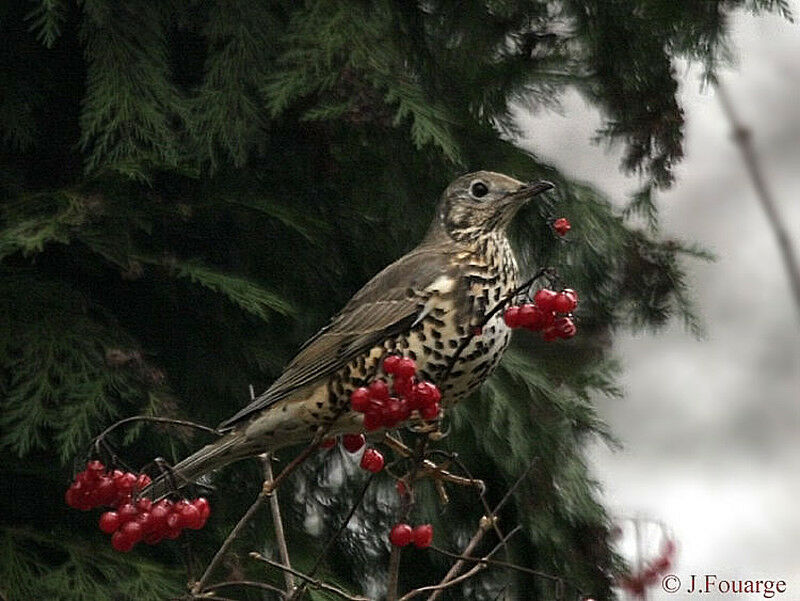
x,y
712,428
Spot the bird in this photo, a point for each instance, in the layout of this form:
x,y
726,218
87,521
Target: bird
x,y
422,306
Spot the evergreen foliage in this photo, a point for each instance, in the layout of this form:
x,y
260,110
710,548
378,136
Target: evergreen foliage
x,y
191,188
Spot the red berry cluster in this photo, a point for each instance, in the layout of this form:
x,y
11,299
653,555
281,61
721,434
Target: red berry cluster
x,y
381,408
562,226
95,487
547,314
652,572
149,522
403,535
132,521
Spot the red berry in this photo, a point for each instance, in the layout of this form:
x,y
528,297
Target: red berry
x,y
390,364
545,298
401,535
565,327
562,226
109,522
144,504
565,302
359,399
203,507
529,316
372,460
427,393
379,390
327,443
132,530
174,522
403,386
353,442
662,564
95,467
395,411
71,497
122,542
429,411
372,420
158,516
142,481
127,512
423,536
550,333
511,317
106,491
191,518
406,368
124,483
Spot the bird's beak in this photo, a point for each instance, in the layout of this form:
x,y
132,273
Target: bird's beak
x,y
532,189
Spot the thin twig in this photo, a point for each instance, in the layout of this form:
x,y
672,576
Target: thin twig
x,y
394,573
215,561
280,536
267,489
313,582
428,467
407,503
481,492
437,588
488,521
515,486
151,418
495,562
330,542
743,138
250,583
483,527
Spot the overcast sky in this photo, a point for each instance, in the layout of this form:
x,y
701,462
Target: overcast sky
x,y
712,428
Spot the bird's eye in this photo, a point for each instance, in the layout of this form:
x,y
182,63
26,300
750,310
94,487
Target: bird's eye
x,y
479,190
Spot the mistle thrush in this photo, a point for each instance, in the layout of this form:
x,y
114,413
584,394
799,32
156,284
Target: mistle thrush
x,y
422,306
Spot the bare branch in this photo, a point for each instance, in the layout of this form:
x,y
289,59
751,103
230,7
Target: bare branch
x,y
321,556
496,562
150,418
312,582
429,468
484,526
266,491
742,136
215,561
250,583
277,522
437,588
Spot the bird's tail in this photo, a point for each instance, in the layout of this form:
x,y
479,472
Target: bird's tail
x,y
231,447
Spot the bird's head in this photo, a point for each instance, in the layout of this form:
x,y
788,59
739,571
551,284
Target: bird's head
x,y
483,202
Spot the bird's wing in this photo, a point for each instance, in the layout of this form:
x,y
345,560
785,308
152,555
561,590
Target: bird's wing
x,y
387,305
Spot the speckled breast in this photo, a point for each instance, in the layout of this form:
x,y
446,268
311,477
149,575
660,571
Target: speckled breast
x,y
488,275
455,312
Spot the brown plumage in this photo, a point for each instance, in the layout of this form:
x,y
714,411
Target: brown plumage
x,y
422,305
